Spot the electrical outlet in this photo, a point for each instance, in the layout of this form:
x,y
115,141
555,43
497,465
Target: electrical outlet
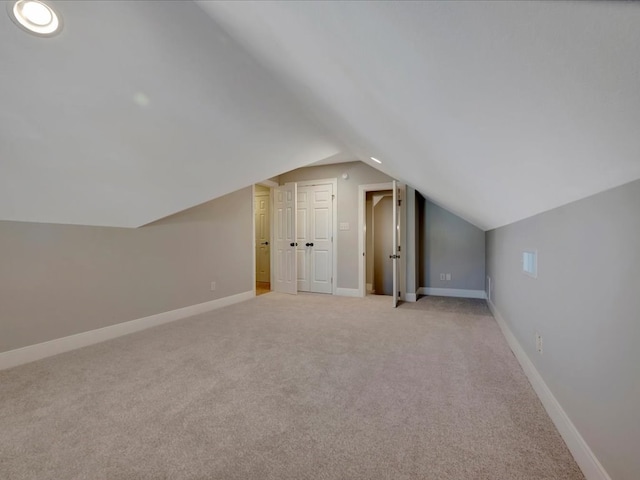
x,y
442,276
448,276
539,343
213,286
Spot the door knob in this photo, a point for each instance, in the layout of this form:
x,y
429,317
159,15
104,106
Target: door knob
x,y
293,244
309,244
264,243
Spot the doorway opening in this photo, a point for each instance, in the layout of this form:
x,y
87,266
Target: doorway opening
x,y
381,238
379,224
262,228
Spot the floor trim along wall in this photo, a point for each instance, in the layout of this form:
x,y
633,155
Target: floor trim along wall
x,y
586,460
348,292
19,356
411,297
452,292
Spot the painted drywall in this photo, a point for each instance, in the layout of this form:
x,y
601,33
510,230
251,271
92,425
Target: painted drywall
x,y
139,110
58,280
585,304
449,245
448,94
359,174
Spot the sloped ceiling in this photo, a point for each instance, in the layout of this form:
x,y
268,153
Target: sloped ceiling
x,y
496,111
135,111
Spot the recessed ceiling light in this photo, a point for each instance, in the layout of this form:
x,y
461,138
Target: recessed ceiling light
x,y
375,160
35,16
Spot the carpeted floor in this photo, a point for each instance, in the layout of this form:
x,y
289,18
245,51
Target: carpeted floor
x,y
286,387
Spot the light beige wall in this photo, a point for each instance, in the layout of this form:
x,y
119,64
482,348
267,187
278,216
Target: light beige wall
x,y
58,280
359,174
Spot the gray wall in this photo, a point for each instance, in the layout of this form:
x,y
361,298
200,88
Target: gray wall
x,y
452,245
586,305
359,174
58,280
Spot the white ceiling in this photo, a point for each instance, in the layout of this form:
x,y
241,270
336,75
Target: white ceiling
x,y
496,111
76,148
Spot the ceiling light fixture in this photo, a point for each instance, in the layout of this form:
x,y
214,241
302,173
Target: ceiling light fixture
x,y
35,16
375,160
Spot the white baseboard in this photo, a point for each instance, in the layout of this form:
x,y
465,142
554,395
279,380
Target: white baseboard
x,y
585,458
452,292
348,292
369,287
31,353
411,297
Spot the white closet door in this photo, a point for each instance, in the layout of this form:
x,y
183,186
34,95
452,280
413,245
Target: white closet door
x,y
302,250
321,238
315,238
284,209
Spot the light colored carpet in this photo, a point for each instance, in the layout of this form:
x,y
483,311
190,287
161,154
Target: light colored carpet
x,y
286,387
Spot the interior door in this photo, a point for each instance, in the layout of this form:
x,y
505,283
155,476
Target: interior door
x,y
321,238
284,264
398,256
395,242
303,239
263,227
401,227
314,254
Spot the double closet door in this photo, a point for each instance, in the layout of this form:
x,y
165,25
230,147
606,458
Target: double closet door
x,y
314,237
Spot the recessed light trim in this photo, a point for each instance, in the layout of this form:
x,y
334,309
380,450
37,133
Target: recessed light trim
x,y
375,159
35,17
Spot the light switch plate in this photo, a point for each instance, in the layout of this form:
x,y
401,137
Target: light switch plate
x,y
344,226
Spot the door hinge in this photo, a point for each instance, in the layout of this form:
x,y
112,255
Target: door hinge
x,y
399,247
399,202
333,197
331,280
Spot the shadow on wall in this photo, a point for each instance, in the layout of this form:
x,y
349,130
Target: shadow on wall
x,y
449,245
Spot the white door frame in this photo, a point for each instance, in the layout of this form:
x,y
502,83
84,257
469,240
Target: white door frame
x,y
362,245
334,245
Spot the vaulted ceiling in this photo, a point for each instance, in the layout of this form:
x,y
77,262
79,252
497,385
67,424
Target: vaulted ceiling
x,y
494,110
